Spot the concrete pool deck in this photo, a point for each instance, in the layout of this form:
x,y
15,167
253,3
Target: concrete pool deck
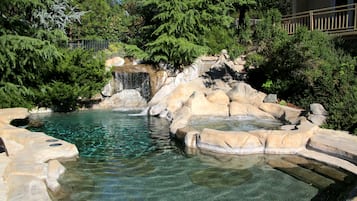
x,y
32,168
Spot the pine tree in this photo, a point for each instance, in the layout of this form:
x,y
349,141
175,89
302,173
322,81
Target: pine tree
x,y
176,38
179,27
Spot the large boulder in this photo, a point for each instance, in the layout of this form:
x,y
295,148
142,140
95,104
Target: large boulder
x,y
108,90
317,119
181,119
172,98
114,62
200,106
284,142
281,112
271,98
126,99
182,93
218,97
318,109
319,114
246,109
229,142
244,93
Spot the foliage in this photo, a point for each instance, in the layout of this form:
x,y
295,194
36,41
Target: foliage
x,y
12,95
184,30
60,96
283,6
34,71
134,51
217,39
125,50
102,20
24,59
78,75
306,68
57,14
176,36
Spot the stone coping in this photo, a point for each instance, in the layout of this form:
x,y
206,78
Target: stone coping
x,y
336,148
32,168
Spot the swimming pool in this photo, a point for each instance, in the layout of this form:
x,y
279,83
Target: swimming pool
x,y
124,157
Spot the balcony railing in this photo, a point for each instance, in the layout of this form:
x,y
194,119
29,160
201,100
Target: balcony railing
x,y
338,20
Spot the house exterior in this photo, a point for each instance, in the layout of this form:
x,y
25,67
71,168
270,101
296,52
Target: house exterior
x,y
337,17
305,5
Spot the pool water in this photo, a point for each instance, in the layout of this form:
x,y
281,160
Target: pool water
x,y
125,157
235,123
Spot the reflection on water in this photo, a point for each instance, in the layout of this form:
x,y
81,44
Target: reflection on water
x,y
126,157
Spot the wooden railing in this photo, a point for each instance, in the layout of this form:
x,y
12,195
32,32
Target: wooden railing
x,y
339,20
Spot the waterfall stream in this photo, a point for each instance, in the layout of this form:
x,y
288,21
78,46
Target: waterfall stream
x,y
139,81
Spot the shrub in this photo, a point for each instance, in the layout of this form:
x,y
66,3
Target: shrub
x,y
307,68
80,74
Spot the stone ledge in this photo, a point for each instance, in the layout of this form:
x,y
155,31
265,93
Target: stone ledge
x,y
278,142
331,160
32,166
336,143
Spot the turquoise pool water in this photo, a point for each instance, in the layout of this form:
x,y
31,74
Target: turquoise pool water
x,y
125,157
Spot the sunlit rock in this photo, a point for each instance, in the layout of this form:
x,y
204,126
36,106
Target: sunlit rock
x,y
281,112
8,114
319,114
40,110
114,62
244,93
286,142
317,119
128,98
55,170
32,159
271,98
180,119
218,97
246,109
318,109
230,142
200,106
24,187
182,93
338,143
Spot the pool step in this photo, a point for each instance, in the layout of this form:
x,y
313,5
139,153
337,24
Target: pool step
x,y
327,171
306,175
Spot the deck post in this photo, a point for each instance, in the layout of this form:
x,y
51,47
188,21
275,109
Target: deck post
x,y
311,20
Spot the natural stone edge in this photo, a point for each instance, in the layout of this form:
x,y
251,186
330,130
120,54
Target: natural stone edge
x,y
33,167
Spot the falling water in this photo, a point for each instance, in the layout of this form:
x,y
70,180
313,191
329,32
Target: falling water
x,y
139,81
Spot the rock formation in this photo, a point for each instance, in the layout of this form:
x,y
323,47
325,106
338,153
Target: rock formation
x,y
32,167
208,88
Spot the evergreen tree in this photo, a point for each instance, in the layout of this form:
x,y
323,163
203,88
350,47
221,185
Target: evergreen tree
x,y
176,38
102,20
179,27
33,68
